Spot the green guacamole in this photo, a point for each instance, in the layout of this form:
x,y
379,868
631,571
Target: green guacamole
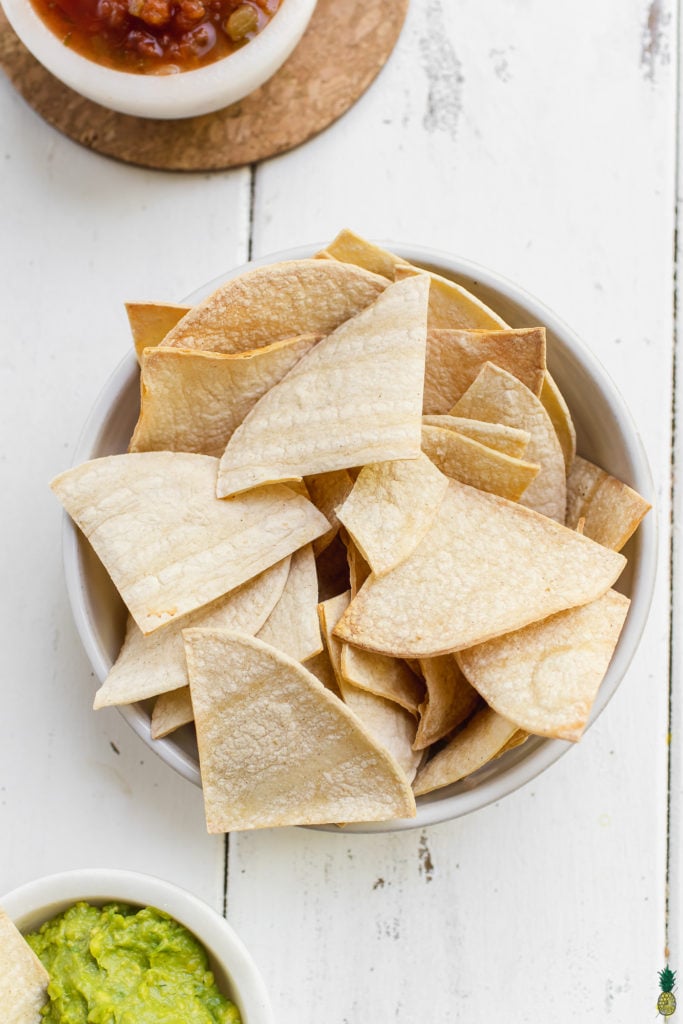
x,y
121,965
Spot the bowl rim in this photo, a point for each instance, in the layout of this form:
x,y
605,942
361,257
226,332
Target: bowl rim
x,y
188,93
545,751
51,894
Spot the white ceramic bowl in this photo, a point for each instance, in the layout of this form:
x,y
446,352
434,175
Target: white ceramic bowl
x,y
235,972
166,96
606,435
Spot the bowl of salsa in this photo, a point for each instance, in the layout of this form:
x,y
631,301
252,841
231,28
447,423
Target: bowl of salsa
x,y
161,58
104,936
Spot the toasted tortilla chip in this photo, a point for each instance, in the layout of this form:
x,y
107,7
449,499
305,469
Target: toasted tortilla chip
x,y
451,305
171,711
355,398
516,740
279,301
391,507
486,567
327,492
545,677
359,570
23,979
454,358
321,667
150,322
498,397
475,745
276,747
560,417
193,401
154,664
390,724
389,678
461,458
611,511
449,700
351,248
292,626
168,543
508,440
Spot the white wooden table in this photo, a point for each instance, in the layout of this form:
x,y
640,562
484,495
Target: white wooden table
x,y
538,139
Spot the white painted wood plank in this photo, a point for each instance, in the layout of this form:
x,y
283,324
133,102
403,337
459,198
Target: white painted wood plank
x,y
80,235
539,140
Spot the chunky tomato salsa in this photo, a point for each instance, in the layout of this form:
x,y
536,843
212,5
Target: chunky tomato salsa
x,y
156,36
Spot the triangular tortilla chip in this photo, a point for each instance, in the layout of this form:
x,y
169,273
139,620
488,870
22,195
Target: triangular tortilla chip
x,y
23,979
349,247
508,440
449,700
391,507
274,302
192,401
475,745
293,626
167,542
276,747
560,417
328,491
452,306
545,677
150,322
389,678
611,511
454,358
355,398
390,724
498,397
171,711
486,567
461,458
154,664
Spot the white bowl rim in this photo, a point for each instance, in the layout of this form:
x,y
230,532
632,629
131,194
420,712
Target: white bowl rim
x,y
547,751
187,94
105,884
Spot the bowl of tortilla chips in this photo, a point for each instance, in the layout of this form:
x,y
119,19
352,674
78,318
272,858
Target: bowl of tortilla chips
x,y
179,939
361,538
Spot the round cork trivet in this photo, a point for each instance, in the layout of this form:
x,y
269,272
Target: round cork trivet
x,y
345,46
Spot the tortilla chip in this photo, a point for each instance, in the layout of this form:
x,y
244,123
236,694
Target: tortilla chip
x,y
359,570
389,678
498,397
610,509
391,725
321,667
355,398
391,507
516,740
454,358
154,664
193,401
274,302
150,322
292,626
327,492
171,711
449,700
508,440
475,745
23,979
486,566
167,542
351,248
545,677
470,462
451,305
560,417
276,747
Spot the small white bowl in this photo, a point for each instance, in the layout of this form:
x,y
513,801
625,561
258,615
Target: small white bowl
x,y
606,435
166,96
235,972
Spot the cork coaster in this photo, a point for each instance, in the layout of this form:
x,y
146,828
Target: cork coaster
x,y
345,46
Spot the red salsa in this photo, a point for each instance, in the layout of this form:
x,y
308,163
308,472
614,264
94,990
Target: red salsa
x,y
156,36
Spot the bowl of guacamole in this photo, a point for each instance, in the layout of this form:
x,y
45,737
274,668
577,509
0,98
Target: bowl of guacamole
x,y
132,949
